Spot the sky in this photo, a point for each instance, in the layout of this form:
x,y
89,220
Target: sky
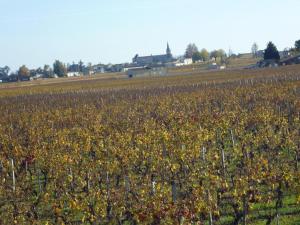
x,y
37,32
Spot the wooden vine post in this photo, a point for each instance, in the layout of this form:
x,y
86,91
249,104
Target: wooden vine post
x,y
13,175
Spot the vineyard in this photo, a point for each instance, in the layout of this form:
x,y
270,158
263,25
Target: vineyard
x,y
199,148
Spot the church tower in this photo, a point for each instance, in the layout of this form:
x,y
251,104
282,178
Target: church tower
x,y
168,51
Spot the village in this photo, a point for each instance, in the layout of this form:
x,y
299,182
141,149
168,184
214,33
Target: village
x,y
160,65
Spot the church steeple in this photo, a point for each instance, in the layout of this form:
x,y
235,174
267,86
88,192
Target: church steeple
x,y
168,50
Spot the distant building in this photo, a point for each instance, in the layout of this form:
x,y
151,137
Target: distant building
x,y
183,62
215,66
291,60
100,68
154,59
73,74
147,72
284,54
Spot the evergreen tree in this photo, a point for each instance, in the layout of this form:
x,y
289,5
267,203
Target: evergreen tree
x,y
271,52
59,69
297,45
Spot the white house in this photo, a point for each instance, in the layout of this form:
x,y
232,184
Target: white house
x,y
73,74
183,62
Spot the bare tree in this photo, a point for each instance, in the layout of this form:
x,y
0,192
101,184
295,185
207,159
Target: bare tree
x,y
254,50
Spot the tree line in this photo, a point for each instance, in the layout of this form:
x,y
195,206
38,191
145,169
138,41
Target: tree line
x,y
203,55
269,53
58,69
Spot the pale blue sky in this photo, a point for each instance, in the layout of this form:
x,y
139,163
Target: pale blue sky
x,y
36,32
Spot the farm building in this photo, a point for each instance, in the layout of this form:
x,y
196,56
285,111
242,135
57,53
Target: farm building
x,y
147,72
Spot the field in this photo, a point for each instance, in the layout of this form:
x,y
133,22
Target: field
x,y
193,148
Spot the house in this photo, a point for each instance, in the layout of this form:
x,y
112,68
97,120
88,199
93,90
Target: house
x,y
37,76
73,74
284,54
183,62
154,59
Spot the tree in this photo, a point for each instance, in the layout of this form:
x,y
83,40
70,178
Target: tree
x,y
271,52
297,45
190,50
81,65
23,72
46,67
218,54
204,55
254,50
59,69
230,52
221,54
47,71
214,54
196,56
4,71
